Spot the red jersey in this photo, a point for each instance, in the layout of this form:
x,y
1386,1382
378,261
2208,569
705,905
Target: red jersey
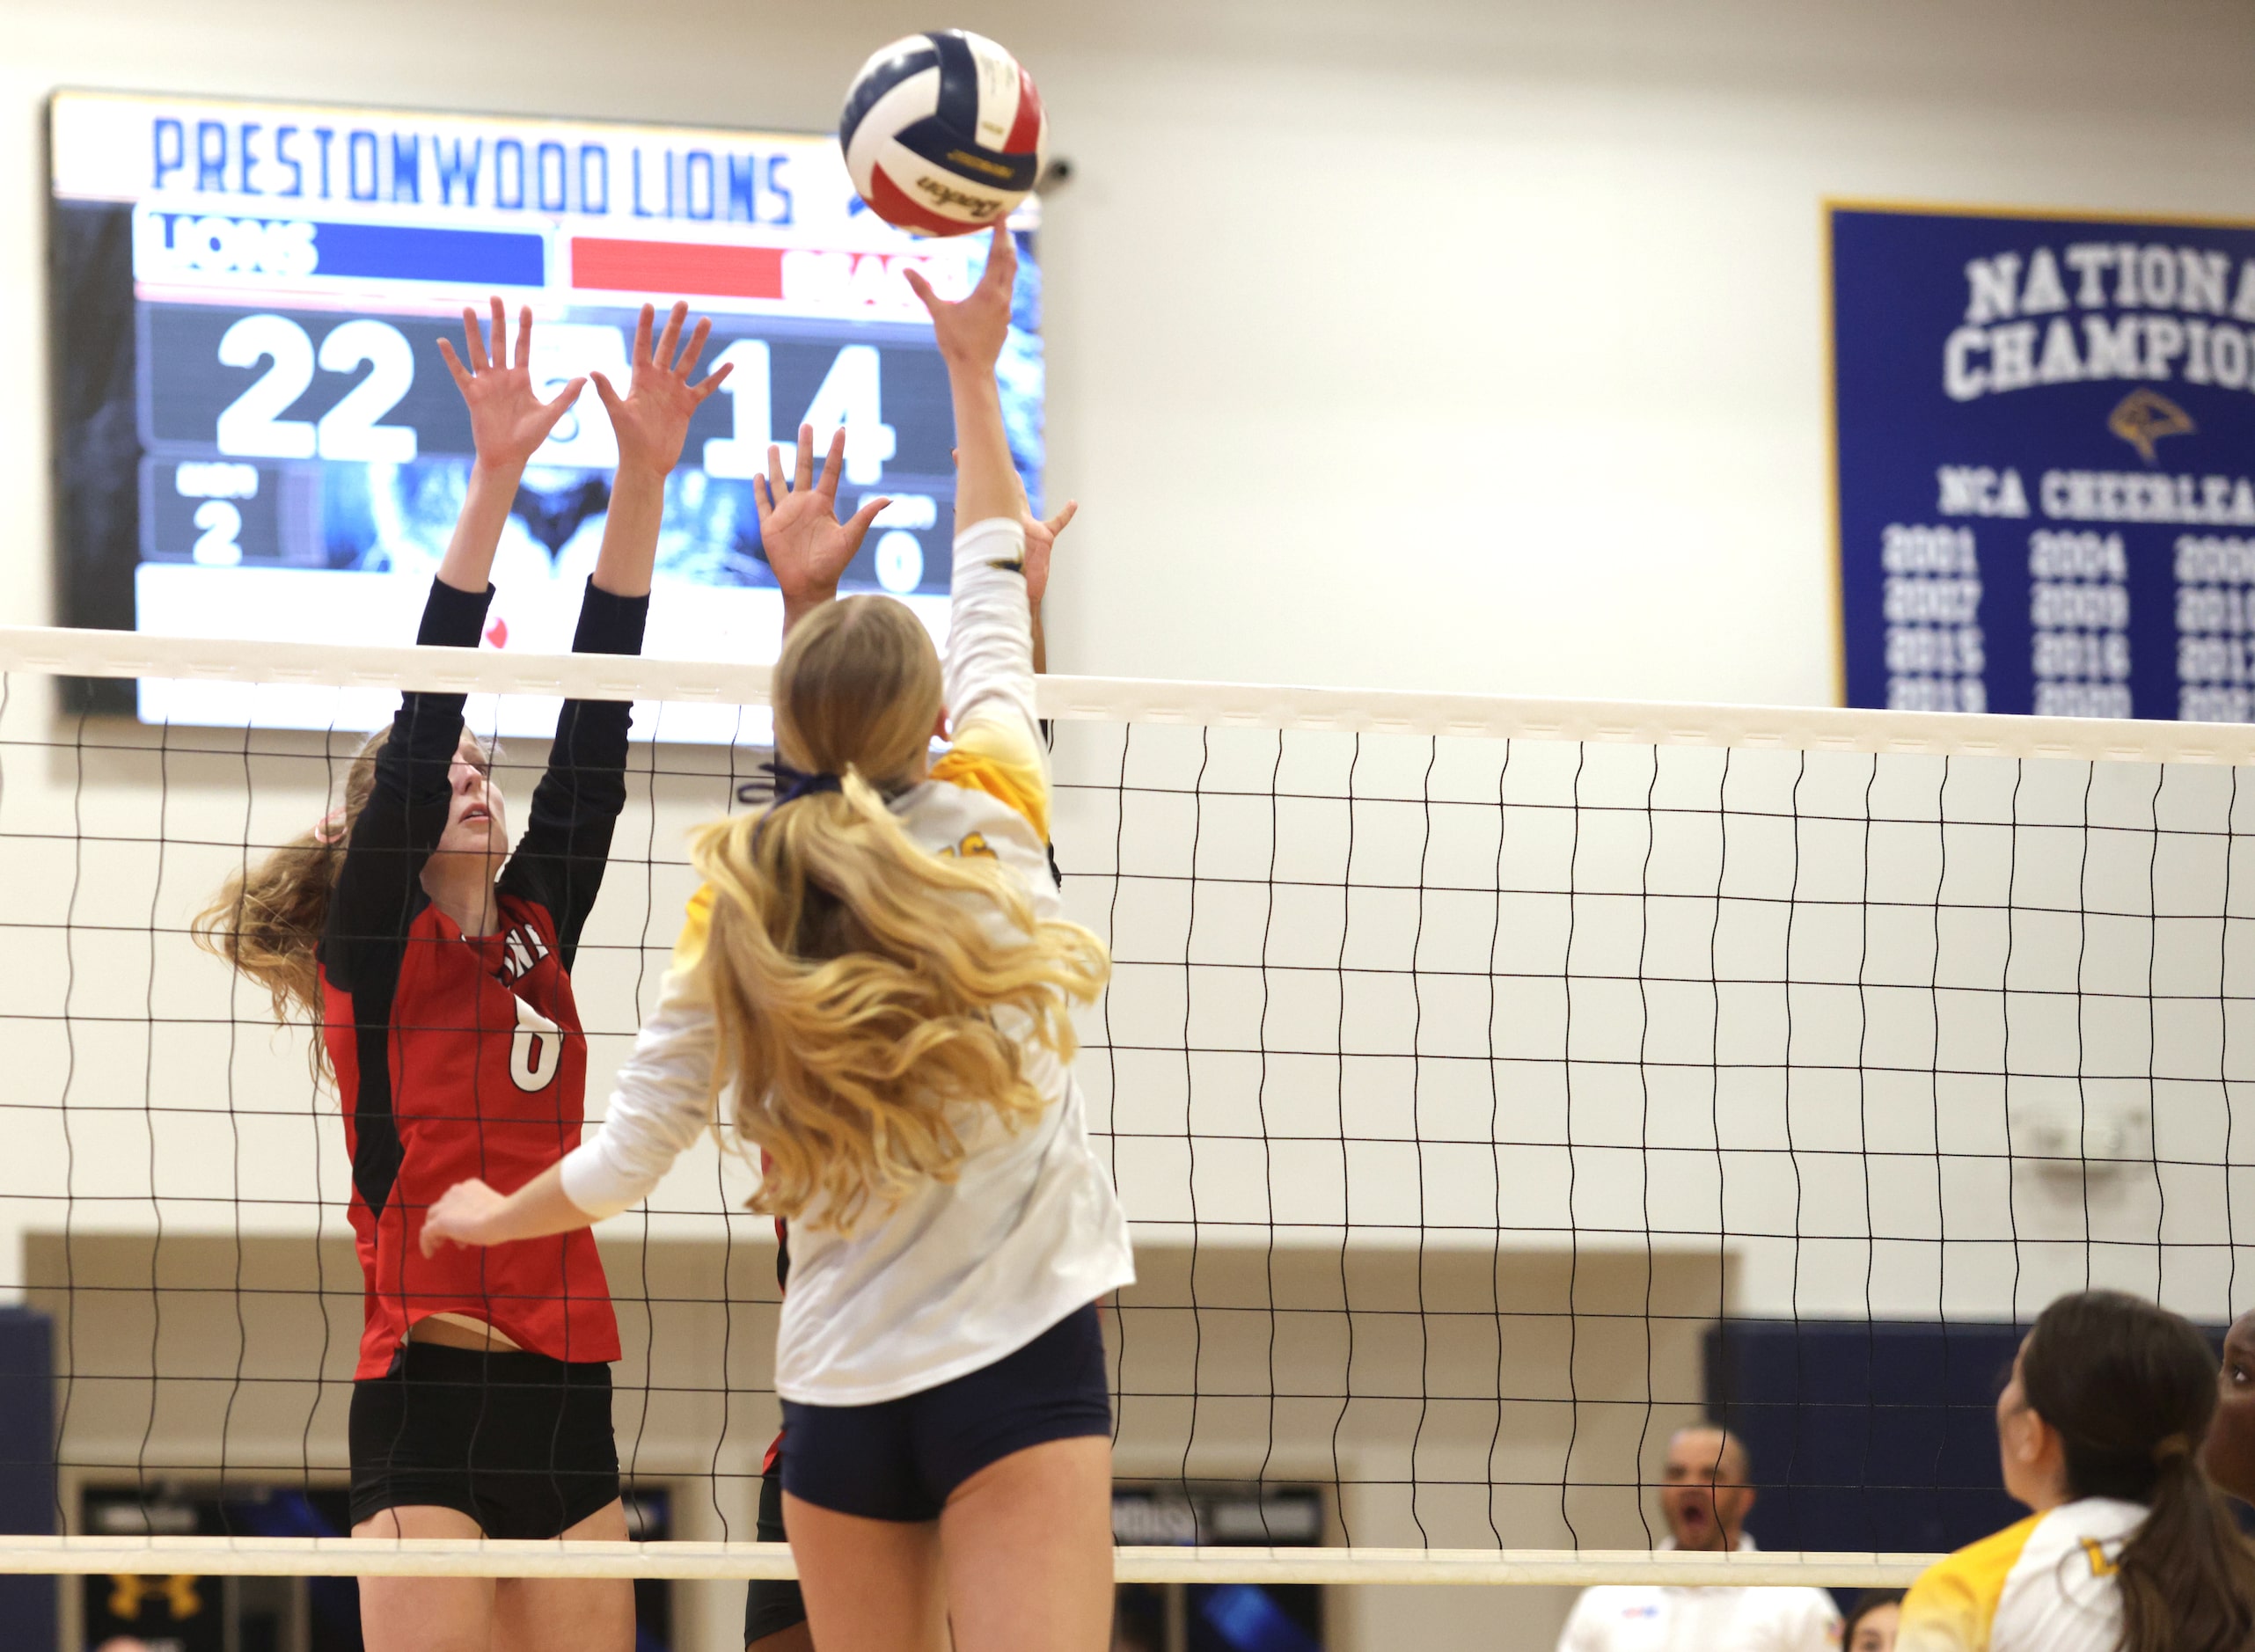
x,y
459,1057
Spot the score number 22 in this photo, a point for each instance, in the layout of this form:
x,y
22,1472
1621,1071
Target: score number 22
x,y
851,395
251,427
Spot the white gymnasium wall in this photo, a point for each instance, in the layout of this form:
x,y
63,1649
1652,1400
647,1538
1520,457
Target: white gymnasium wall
x,y
1464,344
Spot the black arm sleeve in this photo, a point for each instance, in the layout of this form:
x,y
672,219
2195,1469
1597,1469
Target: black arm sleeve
x,y
379,889
560,861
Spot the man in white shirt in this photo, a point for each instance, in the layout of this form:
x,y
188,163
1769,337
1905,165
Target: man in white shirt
x,y
1706,1491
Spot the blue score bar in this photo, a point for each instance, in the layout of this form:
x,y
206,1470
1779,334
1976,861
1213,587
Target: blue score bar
x,y
191,244
387,253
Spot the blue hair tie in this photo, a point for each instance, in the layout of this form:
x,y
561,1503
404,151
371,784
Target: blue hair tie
x,y
788,785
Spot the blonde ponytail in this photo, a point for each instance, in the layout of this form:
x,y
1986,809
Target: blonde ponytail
x,y
873,997
866,995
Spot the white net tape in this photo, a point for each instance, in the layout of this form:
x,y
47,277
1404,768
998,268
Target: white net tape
x,y
728,1562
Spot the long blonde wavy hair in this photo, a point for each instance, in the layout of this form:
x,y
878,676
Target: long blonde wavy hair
x,y
866,999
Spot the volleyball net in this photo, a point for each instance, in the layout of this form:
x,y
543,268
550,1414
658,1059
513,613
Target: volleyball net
x,y
1495,1087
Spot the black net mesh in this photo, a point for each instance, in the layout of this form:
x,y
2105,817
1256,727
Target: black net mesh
x,y
1487,1109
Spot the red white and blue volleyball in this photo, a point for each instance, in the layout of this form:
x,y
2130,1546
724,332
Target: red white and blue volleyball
x,y
943,133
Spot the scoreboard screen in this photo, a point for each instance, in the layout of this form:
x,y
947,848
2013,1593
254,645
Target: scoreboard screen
x,y
257,437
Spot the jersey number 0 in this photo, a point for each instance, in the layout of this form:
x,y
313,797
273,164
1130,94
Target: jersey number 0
x,y
536,1050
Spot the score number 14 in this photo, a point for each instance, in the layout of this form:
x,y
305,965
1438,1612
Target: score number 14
x,y
851,395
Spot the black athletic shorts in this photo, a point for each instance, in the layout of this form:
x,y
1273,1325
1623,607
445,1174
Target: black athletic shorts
x,y
772,1604
518,1441
900,1459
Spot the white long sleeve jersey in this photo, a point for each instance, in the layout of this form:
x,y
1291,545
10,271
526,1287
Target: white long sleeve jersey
x,y
1645,1618
962,1272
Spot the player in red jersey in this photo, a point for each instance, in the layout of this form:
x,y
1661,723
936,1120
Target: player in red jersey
x,y
481,1403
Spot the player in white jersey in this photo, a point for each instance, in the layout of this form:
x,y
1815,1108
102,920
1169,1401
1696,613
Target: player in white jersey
x,y
2128,1549
879,967
808,549
1706,1493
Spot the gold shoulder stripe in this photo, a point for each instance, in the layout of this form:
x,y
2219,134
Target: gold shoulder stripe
x,y
1953,1606
1017,786
696,924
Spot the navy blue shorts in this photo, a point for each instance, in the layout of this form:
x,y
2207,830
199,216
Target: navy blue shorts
x,y
901,1459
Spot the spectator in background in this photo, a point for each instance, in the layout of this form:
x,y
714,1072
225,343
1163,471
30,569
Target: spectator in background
x,y
1871,1626
2229,1457
2128,1549
1706,1490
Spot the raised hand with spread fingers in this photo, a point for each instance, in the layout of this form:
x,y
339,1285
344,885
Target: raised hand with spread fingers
x,y
806,545
652,418
507,420
651,422
508,423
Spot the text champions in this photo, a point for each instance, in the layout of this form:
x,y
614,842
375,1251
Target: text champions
x,y
2103,309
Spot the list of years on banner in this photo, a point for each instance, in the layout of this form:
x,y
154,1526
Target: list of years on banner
x,y
2045,432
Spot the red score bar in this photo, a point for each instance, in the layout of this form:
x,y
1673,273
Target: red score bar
x,y
687,268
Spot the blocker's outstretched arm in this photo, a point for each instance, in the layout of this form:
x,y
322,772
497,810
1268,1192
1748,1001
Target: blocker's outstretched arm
x,y
807,546
559,862
378,888
507,424
651,422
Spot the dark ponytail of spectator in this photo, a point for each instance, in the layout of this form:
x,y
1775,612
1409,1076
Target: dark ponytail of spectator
x,y
2131,1388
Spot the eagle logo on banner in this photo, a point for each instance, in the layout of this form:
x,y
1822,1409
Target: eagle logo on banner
x,y
2144,416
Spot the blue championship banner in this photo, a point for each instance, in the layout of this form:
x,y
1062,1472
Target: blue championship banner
x,y
2045,433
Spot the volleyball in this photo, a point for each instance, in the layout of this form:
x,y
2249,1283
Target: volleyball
x,y
943,133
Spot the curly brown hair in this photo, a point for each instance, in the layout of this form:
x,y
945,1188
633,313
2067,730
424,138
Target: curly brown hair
x,y
268,917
